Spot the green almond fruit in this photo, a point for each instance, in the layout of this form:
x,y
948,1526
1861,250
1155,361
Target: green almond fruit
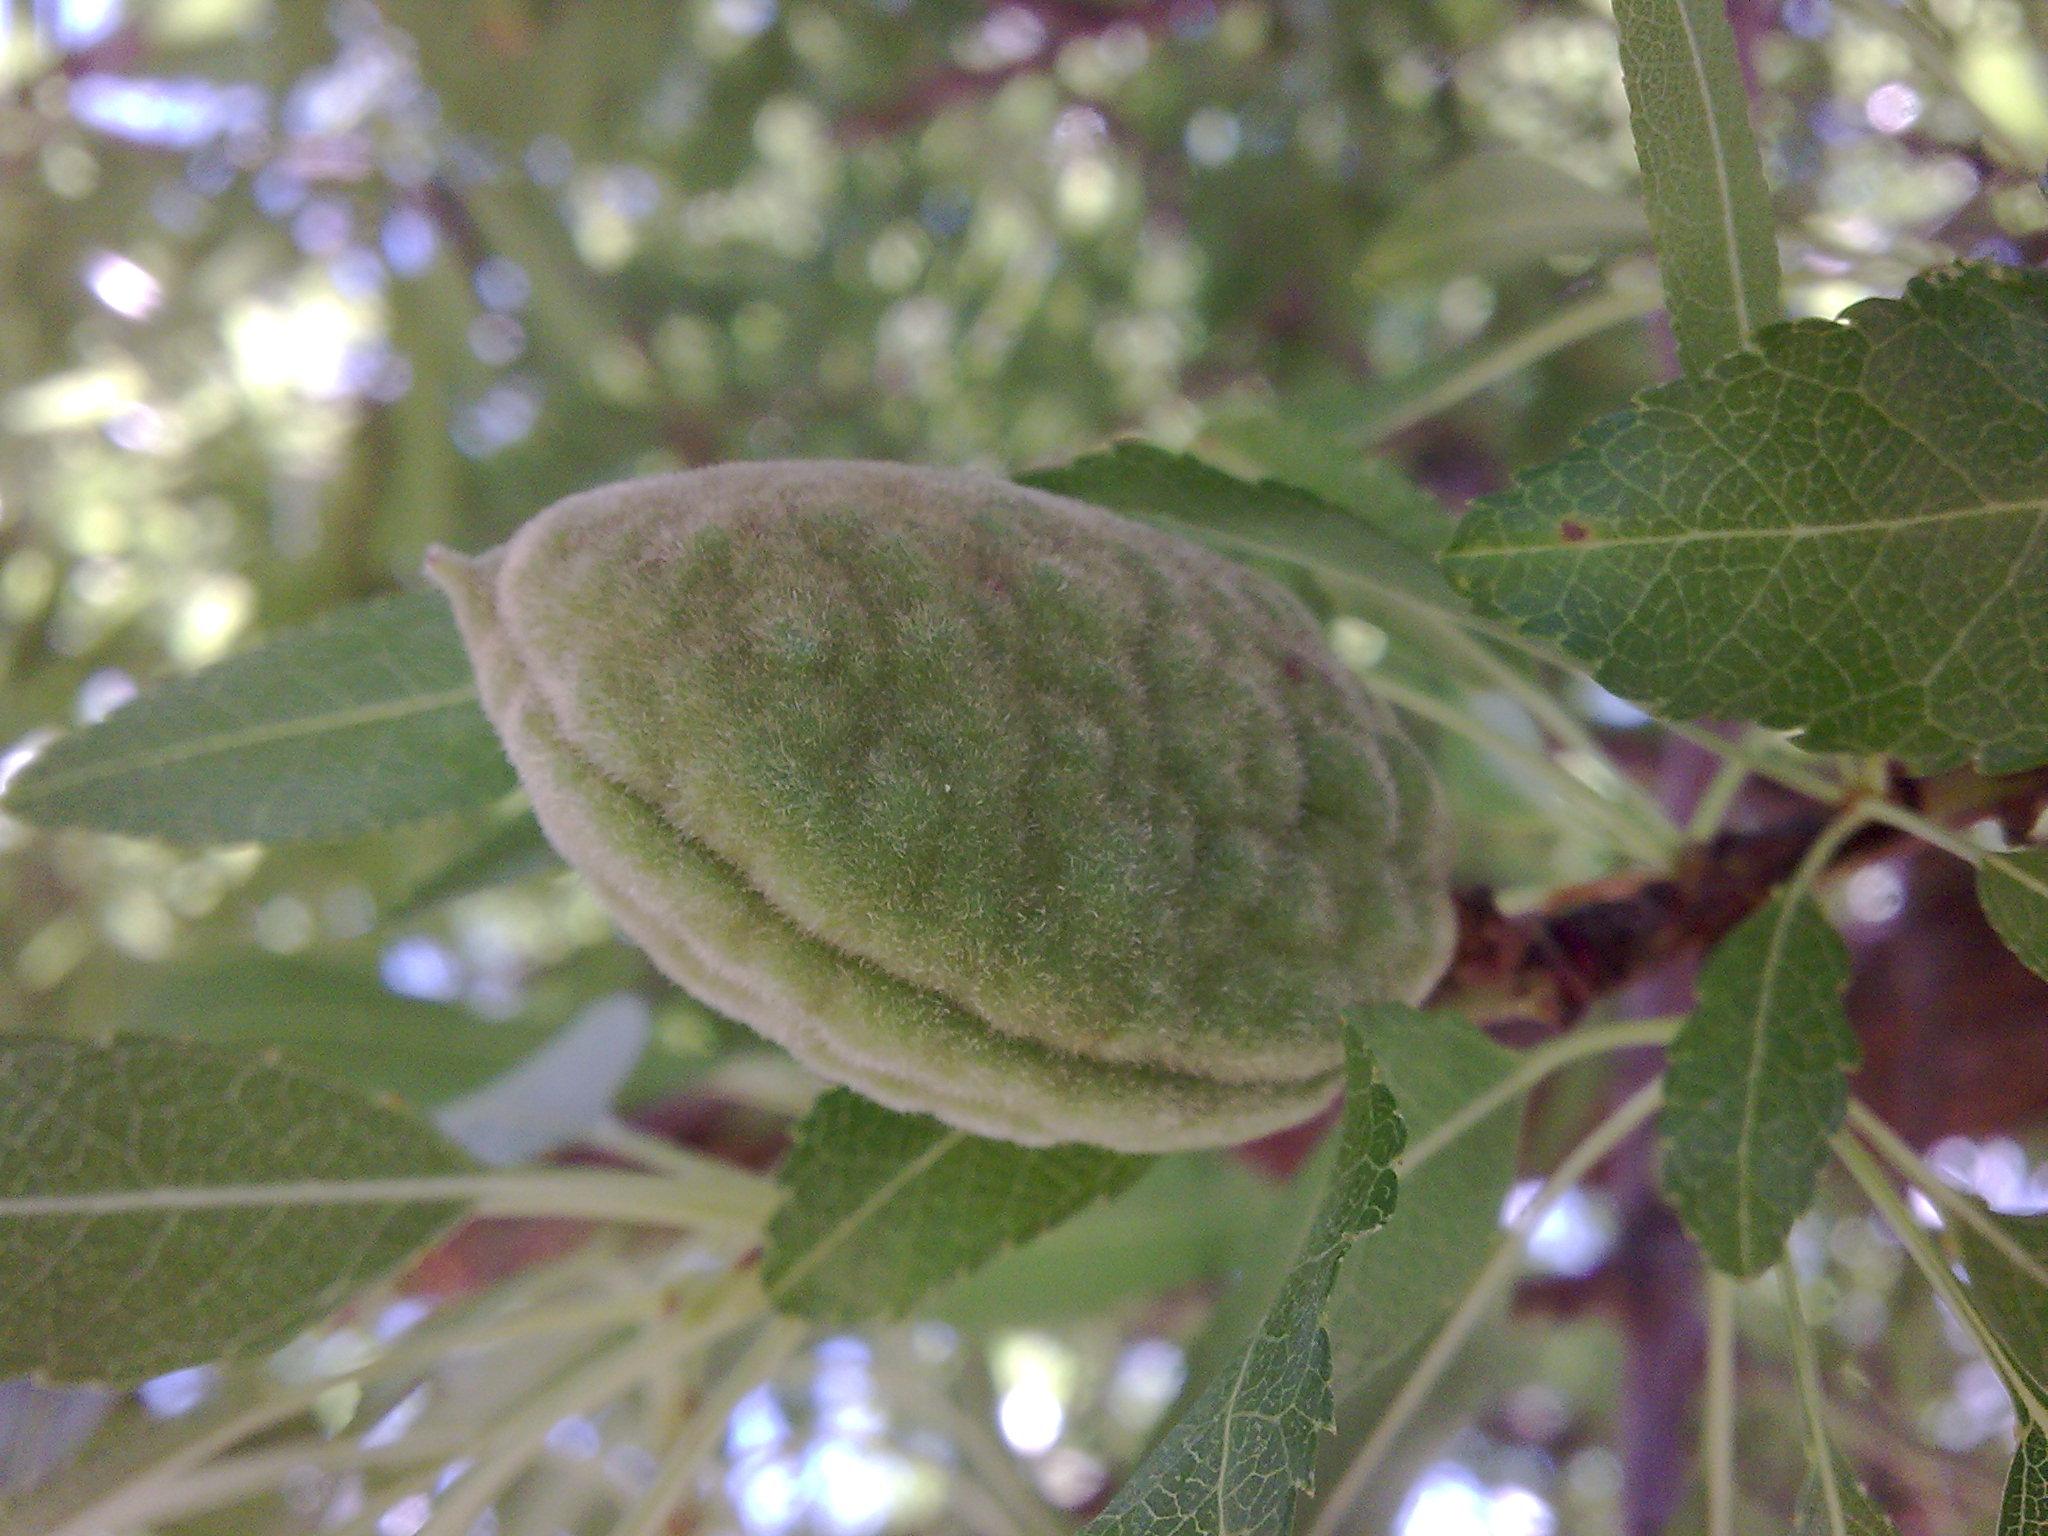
x,y
986,802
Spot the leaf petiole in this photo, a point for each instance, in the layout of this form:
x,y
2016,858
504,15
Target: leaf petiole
x,y
1806,1366
1927,830
1490,364
716,1197
780,1337
1878,1190
197,1478
1531,1067
1624,830
1910,1166
1755,757
1717,1428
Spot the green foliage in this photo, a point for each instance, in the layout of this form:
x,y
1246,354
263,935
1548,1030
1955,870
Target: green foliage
x,y
2025,1509
1757,1084
1702,181
1395,1289
336,1021
1139,480
2009,1286
1839,532
1187,1220
884,1208
511,850
903,768
1369,538
1237,1457
1381,538
289,294
2013,888
1852,1512
363,720
1495,211
164,1203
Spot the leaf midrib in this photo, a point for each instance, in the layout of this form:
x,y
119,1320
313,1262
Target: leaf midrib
x,y
33,787
1595,543
1753,1077
1737,275
2009,867
881,1195
296,1192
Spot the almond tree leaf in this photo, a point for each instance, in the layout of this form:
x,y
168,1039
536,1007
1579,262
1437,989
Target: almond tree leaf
x,y
1710,212
2013,889
164,1203
1842,531
1495,211
1757,1084
1238,1457
363,720
1293,451
336,1021
883,1208
514,849
1860,1513
2025,1510
1189,1220
1355,546
1393,1290
2009,1283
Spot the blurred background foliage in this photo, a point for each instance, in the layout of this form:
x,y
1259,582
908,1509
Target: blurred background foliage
x,y
289,290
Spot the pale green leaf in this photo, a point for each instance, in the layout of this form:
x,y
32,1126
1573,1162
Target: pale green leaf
x,y
1188,1220
1282,447
345,1025
1855,1512
1393,1290
164,1203
1709,209
1238,1457
1365,548
1757,1084
884,1208
2025,1509
2009,1284
1495,211
336,1021
1843,531
512,850
363,720
2013,888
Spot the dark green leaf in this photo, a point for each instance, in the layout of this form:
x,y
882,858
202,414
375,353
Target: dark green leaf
x,y
1843,531
164,1203
1709,209
1236,1459
1396,1288
364,720
2009,1283
883,1208
2025,1510
1757,1084
2013,888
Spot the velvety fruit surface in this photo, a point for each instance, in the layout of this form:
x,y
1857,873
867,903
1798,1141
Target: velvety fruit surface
x,y
986,802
